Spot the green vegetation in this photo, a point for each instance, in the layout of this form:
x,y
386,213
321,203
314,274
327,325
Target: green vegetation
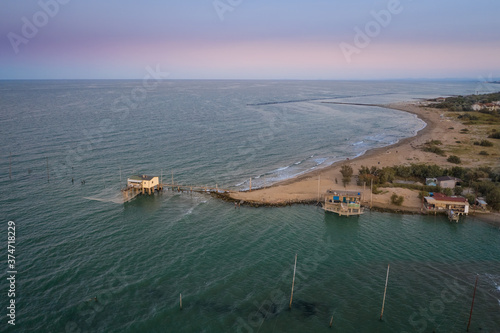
x,y
397,199
447,191
470,197
471,178
468,116
435,150
431,147
493,198
494,135
483,143
375,190
454,159
346,171
491,191
423,194
378,176
464,103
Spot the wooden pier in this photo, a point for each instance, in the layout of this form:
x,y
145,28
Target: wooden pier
x,y
195,188
143,184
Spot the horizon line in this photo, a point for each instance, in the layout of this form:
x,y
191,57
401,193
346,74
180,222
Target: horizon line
x,y
493,80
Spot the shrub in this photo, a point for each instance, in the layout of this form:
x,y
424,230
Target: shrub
x,y
470,198
483,143
447,191
458,190
494,135
435,150
468,117
397,199
423,194
482,152
486,143
375,190
454,159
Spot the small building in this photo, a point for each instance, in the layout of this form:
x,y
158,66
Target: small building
x,y
440,203
494,106
481,203
476,107
448,181
144,183
491,106
343,203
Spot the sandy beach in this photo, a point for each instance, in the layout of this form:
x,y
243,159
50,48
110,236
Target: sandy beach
x,y
312,186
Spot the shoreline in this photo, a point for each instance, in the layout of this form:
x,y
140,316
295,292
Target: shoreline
x,y
368,153
310,187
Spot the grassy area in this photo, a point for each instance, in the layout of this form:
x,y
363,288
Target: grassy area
x,y
476,118
470,143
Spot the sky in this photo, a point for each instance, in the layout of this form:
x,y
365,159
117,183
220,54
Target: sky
x,y
250,39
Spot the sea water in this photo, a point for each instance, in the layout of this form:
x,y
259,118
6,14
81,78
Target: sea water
x,y
68,146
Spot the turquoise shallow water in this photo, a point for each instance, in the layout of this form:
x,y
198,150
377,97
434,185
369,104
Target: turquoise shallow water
x,y
233,266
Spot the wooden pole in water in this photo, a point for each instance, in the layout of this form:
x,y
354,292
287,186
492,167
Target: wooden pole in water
x,y
10,165
385,290
331,322
180,300
48,174
250,184
319,183
172,179
293,281
120,176
472,306
371,193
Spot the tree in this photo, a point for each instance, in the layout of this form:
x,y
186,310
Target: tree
x,y
403,171
346,171
447,191
458,190
387,174
493,198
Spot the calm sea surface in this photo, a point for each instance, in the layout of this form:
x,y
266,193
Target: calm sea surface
x,y
234,267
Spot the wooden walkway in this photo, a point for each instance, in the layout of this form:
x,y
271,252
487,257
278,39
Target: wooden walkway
x,y
130,193
194,188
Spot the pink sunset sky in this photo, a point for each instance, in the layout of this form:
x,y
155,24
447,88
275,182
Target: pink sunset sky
x,y
56,39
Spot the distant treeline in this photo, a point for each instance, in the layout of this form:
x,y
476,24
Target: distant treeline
x,y
464,103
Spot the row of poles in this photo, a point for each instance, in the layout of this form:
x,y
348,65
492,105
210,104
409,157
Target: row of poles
x,y
383,301
295,264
